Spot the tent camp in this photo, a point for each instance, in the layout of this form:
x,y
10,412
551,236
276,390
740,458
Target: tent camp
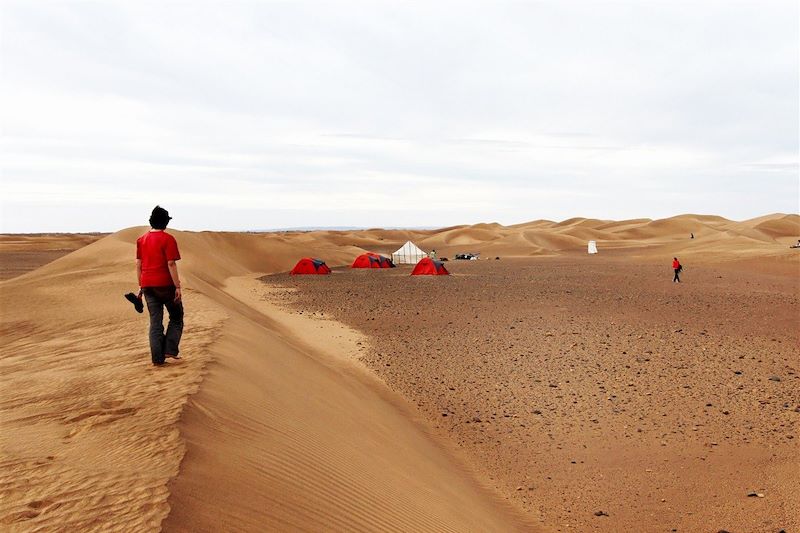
x,y
592,247
408,254
309,265
371,260
429,267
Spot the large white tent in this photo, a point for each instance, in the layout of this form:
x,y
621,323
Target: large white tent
x,y
409,253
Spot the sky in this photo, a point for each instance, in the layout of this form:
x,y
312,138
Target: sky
x,y
253,115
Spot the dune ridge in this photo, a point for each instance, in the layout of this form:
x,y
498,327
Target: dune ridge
x,y
90,431
91,437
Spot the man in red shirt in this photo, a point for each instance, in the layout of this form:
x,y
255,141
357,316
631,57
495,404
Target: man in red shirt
x,y
676,266
156,253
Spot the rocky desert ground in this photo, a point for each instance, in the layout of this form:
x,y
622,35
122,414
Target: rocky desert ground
x,y
592,390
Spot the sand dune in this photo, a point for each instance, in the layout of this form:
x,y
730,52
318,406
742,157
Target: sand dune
x,y
280,439
772,216
468,236
90,430
622,224
283,428
534,224
783,228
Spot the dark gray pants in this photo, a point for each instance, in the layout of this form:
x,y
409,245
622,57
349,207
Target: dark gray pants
x,y
160,344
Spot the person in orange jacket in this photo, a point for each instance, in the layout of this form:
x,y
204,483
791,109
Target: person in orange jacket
x,y
677,267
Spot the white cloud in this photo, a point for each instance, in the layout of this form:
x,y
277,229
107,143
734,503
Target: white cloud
x,y
283,114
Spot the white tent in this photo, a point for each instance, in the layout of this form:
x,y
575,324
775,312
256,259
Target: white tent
x,y
592,247
409,253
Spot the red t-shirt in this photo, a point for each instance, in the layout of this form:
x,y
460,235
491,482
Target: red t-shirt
x,y
155,248
675,264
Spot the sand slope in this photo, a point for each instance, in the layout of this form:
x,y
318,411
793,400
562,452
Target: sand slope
x,y
313,443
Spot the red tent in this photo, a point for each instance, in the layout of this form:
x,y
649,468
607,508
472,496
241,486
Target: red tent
x,y
308,265
371,260
430,267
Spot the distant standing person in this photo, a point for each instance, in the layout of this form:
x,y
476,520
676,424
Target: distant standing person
x,y
432,255
676,266
157,270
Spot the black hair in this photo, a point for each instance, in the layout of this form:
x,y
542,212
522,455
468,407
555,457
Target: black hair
x,y
159,218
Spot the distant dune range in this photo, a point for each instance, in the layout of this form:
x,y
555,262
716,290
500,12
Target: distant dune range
x,y
22,253
267,423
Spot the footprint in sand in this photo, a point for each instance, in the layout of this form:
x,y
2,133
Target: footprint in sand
x,y
39,504
99,417
21,516
34,509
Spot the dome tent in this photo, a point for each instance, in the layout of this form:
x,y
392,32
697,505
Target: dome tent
x,y
309,265
408,254
429,267
372,260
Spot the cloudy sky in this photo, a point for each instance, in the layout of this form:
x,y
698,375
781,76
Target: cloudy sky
x,y
249,115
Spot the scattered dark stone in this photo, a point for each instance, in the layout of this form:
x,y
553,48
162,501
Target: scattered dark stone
x,y
774,378
600,513
537,412
737,372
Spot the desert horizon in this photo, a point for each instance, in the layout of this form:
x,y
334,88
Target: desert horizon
x,y
547,389
570,219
